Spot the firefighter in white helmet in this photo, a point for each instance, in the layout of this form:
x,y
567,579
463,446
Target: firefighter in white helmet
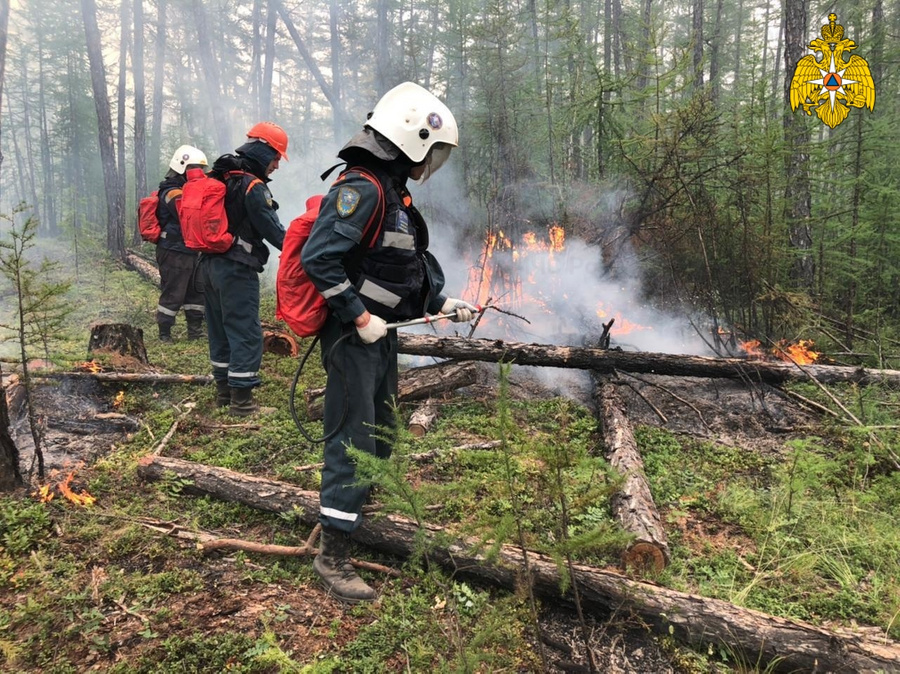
x,y
177,263
409,134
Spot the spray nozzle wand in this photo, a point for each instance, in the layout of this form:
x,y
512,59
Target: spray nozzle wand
x,y
435,317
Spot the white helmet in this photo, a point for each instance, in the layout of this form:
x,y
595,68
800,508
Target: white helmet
x,y
187,154
415,120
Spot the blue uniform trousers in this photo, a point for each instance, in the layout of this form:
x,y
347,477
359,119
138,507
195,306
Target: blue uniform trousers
x,y
232,318
369,386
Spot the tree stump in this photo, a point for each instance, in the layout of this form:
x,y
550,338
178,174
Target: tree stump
x,y
120,338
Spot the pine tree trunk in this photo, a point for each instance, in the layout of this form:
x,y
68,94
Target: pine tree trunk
x,y
115,227
211,77
140,109
158,81
10,476
46,164
121,93
4,35
797,196
265,99
697,40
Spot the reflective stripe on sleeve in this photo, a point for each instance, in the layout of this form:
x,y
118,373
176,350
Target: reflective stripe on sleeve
x,y
336,290
375,292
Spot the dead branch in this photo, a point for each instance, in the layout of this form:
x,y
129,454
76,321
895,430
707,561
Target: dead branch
x,y
789,645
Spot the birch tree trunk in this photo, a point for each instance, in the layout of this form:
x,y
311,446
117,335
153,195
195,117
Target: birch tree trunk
x,y
115,227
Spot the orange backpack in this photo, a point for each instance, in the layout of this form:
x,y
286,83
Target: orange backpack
x,y
297,302
201,210
148,222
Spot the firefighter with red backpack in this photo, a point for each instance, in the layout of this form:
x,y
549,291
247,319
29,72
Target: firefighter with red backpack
x,y
409,134
230,272
177,263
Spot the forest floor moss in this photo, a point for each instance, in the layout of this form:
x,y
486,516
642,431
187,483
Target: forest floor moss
x,y
808,527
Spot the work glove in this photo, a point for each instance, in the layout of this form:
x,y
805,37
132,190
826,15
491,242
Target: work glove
x,y
373,330
464,311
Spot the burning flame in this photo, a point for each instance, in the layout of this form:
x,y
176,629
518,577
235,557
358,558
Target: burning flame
x,y
65,489
90,366
801,353
120,400
47,492
499,276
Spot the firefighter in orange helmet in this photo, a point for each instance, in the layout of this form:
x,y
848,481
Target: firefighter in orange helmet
x,y
232,278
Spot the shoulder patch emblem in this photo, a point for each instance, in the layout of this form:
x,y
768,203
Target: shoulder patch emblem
x,y
347,201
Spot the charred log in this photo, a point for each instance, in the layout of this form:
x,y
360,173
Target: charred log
x,y
417,383
120,338
633,504
599,360
132,377
787,645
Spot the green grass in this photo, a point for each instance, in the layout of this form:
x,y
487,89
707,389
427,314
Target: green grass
x,y
809,533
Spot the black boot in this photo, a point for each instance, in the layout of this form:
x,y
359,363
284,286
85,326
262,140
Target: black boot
x,y
195,329
242,403
335,570
223,393
165,333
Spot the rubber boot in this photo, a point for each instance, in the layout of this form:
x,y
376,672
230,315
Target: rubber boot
x,y
242,403
165,333
195,329
335,570
223,393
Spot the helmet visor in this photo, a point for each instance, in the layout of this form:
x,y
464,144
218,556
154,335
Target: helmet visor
x,y
437,156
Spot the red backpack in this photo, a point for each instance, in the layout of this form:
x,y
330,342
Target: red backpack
x,y
201,211
148,222
297,302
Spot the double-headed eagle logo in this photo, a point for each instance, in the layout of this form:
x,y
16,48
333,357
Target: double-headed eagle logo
x,y
825,82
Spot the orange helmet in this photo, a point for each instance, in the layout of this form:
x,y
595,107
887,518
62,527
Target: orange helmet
x,y
272,134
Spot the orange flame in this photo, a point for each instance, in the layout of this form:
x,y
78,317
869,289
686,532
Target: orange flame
x,y
84,498
120,400
800,353
45,494
90,366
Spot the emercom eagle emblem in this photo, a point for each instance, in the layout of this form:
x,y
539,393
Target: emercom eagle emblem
x,y
825,82
347,201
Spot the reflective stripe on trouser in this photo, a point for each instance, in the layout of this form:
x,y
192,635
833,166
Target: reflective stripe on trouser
x,y
232,320
179,289
370,372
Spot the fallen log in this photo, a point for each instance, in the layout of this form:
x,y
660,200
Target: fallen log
x,y
422,418
416,383
633,504
602,361
788,645
143,267
132,377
